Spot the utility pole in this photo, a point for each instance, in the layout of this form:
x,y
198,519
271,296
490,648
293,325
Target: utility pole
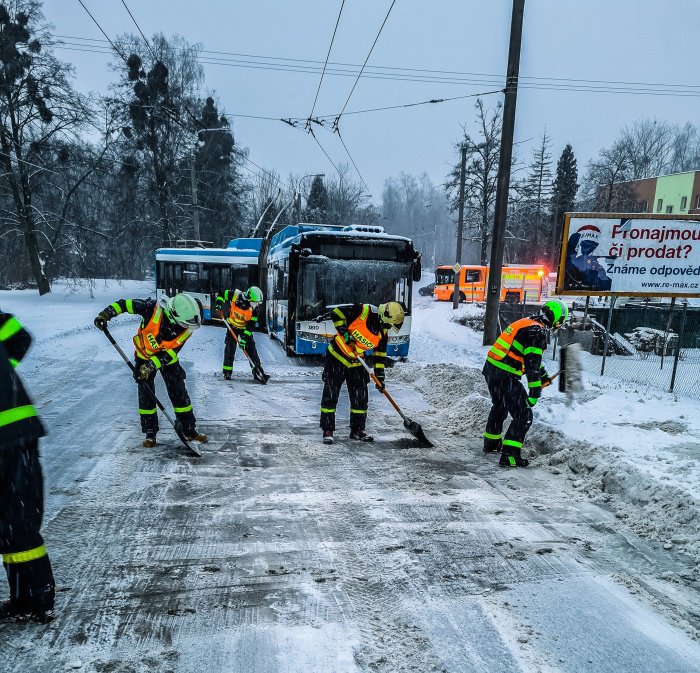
x,y
195,211
493,297
457,268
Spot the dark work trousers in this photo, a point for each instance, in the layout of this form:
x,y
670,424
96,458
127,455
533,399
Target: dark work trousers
x,y
230,350
174,378
334,374
508,397
21,510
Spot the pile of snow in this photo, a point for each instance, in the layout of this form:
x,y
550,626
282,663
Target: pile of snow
x,y
628,447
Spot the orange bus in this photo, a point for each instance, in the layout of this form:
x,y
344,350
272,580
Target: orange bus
x,y
519,282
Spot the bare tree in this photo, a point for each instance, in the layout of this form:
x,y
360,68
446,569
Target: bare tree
x,y
482,168
37,107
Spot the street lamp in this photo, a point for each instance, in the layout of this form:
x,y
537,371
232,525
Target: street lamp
x,y
298,194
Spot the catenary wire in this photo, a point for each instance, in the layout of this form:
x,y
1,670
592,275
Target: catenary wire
x,y
381,28
145,39
498,77
330,46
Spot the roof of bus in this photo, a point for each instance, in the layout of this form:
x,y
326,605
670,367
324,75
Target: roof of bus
x,y
245,244
292,233
211,254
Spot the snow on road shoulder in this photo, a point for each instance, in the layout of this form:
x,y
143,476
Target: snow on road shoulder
x,y
634,450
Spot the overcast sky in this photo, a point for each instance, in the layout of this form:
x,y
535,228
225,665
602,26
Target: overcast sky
x,y
639,41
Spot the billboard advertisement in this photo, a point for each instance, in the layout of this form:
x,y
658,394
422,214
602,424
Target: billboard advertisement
x,y
630,255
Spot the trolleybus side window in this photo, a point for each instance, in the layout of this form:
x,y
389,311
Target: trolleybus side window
x,y
473,276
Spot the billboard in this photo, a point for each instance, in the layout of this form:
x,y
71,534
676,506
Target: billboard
x,y
630,254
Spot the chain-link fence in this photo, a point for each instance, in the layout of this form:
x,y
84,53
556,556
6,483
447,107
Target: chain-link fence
x,y
650,343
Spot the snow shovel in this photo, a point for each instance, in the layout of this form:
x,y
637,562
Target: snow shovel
x,y
258,374
413,427
175,424
570,381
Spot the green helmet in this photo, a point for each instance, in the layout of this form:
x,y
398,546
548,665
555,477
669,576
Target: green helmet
x,y
184,310
254,295
554,313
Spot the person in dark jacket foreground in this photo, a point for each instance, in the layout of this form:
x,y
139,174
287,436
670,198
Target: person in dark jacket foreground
x,y
517,351
28,568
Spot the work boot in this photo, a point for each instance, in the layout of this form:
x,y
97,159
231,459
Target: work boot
x,y
492,445
328,437
12,611
361,435
150,440
227,376
196,436
513,460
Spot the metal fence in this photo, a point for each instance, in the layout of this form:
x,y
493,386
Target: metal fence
x,y
649,343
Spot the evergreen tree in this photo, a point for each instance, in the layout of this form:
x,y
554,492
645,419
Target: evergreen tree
x,y
563,197
216,177
317,202
533,219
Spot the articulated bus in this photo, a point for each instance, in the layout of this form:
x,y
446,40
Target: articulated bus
x,y
203,272
313,267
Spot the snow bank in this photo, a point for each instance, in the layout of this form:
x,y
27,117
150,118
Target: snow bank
x,y
634,450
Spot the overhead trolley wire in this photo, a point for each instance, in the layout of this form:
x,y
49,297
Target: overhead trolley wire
x,y
114,46
381,28
389,70
330,46
145,39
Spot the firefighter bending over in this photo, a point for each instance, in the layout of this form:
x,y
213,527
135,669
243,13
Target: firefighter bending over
x,y
242,320
517,351
32,587
360,328
163,331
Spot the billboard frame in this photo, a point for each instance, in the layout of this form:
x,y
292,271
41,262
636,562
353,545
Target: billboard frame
x,y
607,293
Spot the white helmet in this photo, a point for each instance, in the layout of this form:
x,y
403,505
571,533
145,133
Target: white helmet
x,y
184,310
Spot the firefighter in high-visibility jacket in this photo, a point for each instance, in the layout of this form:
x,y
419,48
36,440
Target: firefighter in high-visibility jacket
x,y
161,335
517,351
32,587
360,328
243,320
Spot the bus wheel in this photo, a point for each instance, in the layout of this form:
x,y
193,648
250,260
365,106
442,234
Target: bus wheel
x,y
462,297
512,298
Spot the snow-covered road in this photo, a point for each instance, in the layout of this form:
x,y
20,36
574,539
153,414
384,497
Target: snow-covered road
x,y
276,553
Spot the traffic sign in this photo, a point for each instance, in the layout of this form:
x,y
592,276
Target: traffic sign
x,y
456,267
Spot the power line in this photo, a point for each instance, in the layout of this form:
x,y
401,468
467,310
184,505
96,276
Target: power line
x,y
538,83
357,170
460,74
114,46
381,28
145,39
313,135
323,72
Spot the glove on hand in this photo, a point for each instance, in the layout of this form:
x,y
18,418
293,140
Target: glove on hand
x,y
531,401
101,320
219,306
144,371
242,341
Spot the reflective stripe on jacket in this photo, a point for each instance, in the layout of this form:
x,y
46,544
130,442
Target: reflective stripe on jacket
x,y
508,353
19,422
364,339
146,340
239,317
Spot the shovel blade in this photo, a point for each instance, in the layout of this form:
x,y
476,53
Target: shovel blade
x,y
417,431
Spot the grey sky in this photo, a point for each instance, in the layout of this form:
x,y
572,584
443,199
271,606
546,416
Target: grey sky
x,y
625,40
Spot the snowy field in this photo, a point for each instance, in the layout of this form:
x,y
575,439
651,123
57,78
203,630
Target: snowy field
x,y
275,553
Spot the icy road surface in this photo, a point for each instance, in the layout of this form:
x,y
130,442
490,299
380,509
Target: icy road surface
x,y
275,553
